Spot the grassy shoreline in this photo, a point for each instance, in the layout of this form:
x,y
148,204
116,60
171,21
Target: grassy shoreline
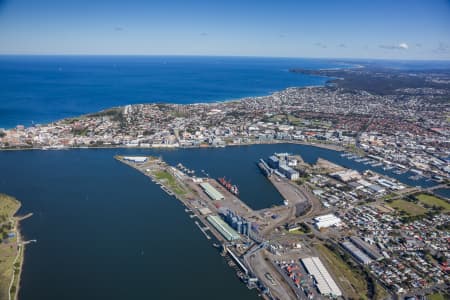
x,y
11,248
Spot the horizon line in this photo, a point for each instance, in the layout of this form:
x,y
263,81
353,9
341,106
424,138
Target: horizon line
x,y
230,56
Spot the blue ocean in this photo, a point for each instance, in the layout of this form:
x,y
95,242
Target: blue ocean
x,y
41,89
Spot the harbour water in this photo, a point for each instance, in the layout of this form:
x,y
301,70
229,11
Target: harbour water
x,y
41,89
105,231
443,192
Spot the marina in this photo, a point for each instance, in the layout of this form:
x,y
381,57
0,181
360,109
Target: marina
x,y
181,167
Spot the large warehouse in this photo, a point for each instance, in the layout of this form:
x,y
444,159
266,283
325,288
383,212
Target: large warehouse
x,y
211,191
228,233
327,221
136,159
357,253
324,282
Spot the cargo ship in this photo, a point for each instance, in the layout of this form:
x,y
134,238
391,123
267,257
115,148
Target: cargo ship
x,y
227,184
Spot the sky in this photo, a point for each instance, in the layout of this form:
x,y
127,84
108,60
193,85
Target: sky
x,y
386,29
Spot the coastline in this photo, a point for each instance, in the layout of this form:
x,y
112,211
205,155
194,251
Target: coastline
x,y
329,80
231,96
22,254
318,145
15,280
14,267
325,82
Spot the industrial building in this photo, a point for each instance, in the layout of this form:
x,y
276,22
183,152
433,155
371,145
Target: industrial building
x,y
356,253
136,159
293,227
282,166
389,184
238,223
324,282
289,172
211,191
273,162
225,230
366,248
346,175
327,221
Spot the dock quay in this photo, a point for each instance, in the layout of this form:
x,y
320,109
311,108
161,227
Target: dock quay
x,y
188,190
166,190
203,229
296,197
236,236
265,169
237,260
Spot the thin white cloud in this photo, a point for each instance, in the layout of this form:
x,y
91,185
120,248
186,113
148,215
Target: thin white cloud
x,y
401,46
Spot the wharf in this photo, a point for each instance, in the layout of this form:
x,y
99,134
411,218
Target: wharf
x,y
21,218
199,206
180,186
297,197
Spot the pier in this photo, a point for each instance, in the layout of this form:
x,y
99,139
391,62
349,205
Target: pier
x,y
21,218
203,229
29,242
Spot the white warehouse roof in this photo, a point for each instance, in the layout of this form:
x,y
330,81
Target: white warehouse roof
x,y
211,191
327,221
136,158
324,282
